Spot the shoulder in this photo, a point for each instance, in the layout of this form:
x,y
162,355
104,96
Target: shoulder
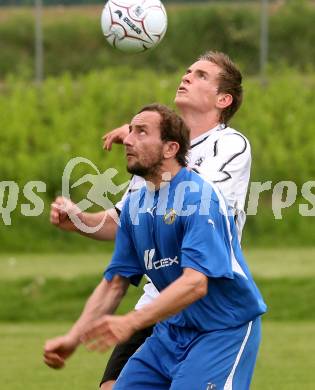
x,y
231,146
233,139
223,144
136,183
201,189
133,202
136,197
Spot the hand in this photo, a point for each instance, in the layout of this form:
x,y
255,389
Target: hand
x,y
57,350
115,136
60,210
107,332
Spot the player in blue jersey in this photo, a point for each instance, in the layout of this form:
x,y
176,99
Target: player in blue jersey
x,y
179,233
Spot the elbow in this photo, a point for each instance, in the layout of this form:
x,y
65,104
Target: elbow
x,y
198,283
201,288
119,286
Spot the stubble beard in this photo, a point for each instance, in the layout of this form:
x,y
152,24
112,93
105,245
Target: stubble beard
x,y
147,172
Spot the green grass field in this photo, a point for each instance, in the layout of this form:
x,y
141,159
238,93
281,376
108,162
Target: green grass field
x,y
268,263
47,285
285,361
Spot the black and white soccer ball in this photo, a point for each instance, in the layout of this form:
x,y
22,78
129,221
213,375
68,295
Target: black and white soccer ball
x,y
134,25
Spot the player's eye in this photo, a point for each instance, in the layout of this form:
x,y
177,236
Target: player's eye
x,y
142,131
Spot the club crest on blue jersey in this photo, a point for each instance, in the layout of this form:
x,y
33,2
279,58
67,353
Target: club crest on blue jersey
x,y
211,386
169,217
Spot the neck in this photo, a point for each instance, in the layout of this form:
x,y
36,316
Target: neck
x,y
165,174
199,123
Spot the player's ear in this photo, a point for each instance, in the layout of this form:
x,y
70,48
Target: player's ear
x,y
224,100
170,149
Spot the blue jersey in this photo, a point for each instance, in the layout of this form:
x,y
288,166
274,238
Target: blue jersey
x,y
186,225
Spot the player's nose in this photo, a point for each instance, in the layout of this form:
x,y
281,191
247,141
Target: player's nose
x,y
128,141
186,78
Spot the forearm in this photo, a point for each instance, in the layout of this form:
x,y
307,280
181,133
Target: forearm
x,y
106,220
104,300
187,289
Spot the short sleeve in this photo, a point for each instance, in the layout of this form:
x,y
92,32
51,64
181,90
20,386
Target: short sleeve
x,y
230,171
206,245
232,161
125,261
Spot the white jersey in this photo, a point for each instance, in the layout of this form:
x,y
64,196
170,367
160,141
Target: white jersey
x,y
222,156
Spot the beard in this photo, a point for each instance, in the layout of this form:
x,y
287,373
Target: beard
x,y
148,170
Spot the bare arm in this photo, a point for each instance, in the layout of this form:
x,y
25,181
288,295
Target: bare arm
x,y
107,221
115,136
104,299
110,330
60,216
190,287
62,208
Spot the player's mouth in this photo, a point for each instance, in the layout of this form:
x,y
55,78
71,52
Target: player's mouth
x,y
130,154
181,89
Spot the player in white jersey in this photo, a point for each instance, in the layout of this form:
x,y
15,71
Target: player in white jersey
x,y
208,96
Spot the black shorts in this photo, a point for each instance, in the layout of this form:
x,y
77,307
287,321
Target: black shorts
x,y
122,353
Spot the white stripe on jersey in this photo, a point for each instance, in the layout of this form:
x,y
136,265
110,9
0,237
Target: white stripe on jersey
x,y
229,383
224,210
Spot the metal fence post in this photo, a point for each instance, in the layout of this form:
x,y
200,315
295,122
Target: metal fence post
x,y
39,50
264,37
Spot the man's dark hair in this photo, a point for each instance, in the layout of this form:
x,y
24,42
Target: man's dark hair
x,y
172,128
229,79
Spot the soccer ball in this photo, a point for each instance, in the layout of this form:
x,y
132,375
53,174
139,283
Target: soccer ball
x,y
134,25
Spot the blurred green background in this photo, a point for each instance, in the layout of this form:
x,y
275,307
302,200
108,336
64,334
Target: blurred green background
x,y
88,88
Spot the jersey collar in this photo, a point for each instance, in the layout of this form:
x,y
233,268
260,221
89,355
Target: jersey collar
x,y
202,137
179,177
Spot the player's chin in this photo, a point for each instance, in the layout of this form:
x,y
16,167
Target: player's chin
x,y
131,166
136,169
131,162
180,99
